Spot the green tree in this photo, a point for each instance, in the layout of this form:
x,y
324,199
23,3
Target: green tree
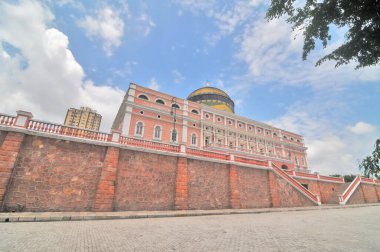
x,y
315,17
347,177
371,164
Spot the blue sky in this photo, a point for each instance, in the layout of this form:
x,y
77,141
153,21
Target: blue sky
x,y
60,54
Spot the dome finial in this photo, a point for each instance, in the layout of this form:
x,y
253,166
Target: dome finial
x,y
207,83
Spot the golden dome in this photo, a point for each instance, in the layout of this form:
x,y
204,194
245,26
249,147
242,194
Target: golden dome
x,y
213,97
208,90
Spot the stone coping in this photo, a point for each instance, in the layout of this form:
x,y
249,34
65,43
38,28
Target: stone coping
x,y
80,216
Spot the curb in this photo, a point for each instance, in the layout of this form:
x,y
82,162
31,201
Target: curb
x,y
84,216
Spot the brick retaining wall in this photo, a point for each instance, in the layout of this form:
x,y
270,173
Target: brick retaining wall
x,y
42,173
145,181
55,175
208,185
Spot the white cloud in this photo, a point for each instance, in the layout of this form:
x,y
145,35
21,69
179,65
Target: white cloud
x,y
106,24
146,24
272,53
362,128
53,80
229,18
331,149
196,5
154,84
178,77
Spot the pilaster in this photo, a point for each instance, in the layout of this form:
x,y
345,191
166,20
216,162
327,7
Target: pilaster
x,y
234,189
181,189
106,188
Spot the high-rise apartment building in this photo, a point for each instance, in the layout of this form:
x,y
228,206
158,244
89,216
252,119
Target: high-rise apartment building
x,y
84,118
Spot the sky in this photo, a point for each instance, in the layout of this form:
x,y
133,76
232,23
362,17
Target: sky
x,y
57,54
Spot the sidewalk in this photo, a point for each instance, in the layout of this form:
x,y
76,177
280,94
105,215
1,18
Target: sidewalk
x,y
77,216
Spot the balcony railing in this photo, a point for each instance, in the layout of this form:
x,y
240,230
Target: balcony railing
x,y
7,120
242,151
148,144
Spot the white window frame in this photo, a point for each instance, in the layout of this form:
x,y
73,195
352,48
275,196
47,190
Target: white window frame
x,y
142,130
154,132
194,135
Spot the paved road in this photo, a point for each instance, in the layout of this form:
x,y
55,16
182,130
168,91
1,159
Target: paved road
x,y
354,229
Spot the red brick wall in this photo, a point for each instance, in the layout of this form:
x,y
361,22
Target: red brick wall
x,y
253,188
9,152
145,181
55,175
328,191
365,193
208,185
357,197
2,136
377,188
369,192
287,195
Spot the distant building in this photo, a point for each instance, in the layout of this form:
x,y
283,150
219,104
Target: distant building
x,y
84,118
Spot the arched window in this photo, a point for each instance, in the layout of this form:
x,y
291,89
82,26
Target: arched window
x,y
193,139
175,105
157,132
296,159
284,167
174,135
159,101
195,111
139,129
144,97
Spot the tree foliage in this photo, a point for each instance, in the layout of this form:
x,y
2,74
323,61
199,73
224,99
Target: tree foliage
x,y
371,164
315,17
347,177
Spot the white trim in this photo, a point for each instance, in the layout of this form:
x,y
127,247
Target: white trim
x,y
184,131
127,121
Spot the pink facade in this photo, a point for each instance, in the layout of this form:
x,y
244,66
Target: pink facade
x,y
150,115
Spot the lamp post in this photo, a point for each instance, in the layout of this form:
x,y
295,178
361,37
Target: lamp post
x,y
173,112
